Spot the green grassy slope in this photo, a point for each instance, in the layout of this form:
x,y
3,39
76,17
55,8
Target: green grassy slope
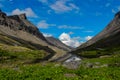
x,y
10,40
17,50
17,54
106,46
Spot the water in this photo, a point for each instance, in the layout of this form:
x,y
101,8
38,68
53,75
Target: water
x,y
69,61
72,62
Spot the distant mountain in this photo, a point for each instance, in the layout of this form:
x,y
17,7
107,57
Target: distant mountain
x,y
17,30
108,38
58,43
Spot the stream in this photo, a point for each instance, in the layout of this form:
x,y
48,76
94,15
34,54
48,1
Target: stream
x,y
69,60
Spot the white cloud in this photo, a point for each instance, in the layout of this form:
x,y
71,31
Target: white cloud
x,y
118,8
88,31
62,6
44,25
69,27
88,38
73,6
113,11
71,33
47,35
107,5
28,11
66,39
49,11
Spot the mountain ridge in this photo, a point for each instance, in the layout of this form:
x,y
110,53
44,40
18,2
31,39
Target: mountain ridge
x,y
107,38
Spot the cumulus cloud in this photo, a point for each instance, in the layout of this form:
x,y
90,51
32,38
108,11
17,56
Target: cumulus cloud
x,y
47,35
69,27
44,25
28,11
88,38
68,40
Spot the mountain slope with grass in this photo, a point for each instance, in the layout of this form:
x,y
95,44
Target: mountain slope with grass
x,y
106,42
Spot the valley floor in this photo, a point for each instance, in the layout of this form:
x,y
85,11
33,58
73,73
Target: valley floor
x,y
104,68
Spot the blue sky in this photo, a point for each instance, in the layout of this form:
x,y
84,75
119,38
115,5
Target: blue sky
x,y
71,21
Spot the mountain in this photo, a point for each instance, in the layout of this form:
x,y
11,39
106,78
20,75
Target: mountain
x,y
17,30
58,43
18,26
107,39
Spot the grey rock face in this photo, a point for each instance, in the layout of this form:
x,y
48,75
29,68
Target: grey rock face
x,y
19,22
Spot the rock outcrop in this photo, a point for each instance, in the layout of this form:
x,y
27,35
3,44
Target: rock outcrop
x,y
19,22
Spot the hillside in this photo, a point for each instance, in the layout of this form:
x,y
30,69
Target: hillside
x,y
106,41
17,30
58,43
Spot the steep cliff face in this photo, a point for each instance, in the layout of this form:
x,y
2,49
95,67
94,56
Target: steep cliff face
x,y
109,37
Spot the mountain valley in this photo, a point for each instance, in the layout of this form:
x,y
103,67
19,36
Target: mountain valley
x,y
25,54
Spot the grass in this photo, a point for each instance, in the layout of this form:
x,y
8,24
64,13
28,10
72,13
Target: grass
x,y
12,54
94,53
54,71
17,63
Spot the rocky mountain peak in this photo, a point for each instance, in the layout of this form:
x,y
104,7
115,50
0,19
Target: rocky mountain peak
x,y
22,16
2,14
117,15
20,23
18,17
